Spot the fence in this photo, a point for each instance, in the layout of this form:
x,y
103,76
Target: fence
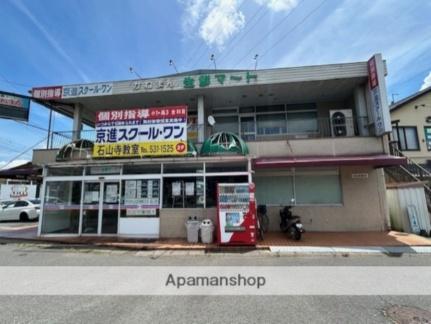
x,y
317,127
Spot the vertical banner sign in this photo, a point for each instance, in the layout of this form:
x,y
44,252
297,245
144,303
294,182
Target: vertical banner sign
x,y
14,106
379,101
141,132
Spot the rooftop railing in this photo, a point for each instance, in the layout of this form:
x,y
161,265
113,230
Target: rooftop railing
x,y
297,128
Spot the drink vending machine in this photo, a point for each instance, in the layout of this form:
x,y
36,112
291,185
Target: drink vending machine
x,y
236,214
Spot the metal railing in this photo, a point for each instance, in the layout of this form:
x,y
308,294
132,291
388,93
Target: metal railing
x,y
307,128
410,172
59,139
294,128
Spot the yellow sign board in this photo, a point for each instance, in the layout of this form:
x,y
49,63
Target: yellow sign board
x,y
139,149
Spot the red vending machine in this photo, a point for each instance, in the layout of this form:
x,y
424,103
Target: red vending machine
x,y
236,214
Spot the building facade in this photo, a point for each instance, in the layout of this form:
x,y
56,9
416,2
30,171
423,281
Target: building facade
x,y
412,126
312,137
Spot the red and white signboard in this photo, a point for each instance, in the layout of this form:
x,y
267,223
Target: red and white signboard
x,y
141,114
47,93
378,96
141,132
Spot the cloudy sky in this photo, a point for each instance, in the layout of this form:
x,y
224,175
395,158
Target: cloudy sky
x,y
48,42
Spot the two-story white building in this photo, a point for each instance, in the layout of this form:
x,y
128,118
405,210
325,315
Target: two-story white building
x,y
312,137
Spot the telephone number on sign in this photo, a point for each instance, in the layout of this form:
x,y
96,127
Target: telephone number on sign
x,y
167,148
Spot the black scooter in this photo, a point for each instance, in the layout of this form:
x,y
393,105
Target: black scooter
x,y
291,223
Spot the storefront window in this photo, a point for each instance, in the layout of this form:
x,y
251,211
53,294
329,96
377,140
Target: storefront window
x,y
183,168
226,167
141,169
300,187
274,189
211,187
315,188
103,169
185,192
69,171
140,198
61,207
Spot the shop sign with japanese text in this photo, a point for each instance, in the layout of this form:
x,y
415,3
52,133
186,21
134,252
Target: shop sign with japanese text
x,y
210,80
14,106
378,96
87,90
141,132
47,93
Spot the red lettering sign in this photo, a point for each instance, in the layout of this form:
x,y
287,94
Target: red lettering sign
x,y
372,73
48,93
142,114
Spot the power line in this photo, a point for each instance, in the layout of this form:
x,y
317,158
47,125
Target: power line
x,y
14,83
23,152
31,125
263,13
270,31
413,76
294,27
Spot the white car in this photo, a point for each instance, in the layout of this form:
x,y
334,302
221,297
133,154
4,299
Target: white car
x,y
22,210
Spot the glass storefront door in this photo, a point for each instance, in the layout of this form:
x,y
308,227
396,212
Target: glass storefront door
x,y
110,206
90,208
100,207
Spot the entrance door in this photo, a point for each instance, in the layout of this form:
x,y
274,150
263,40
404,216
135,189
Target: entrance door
x,y
100,207
110,206
90,208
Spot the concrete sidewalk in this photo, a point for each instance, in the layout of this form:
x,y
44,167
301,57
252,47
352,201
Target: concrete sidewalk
x,y
325,243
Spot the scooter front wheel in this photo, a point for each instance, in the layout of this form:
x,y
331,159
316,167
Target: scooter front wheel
x,y
295,234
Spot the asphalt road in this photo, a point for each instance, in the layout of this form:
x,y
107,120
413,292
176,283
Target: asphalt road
x,y
194,309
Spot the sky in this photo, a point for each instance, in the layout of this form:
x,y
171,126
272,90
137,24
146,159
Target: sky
x,y
51,42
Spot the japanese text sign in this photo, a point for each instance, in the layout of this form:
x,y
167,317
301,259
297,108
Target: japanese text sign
x,y
87,90
141,132
48,93
14,106
378,97
372,73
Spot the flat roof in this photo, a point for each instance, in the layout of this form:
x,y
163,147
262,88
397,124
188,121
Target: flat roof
x,y
220,88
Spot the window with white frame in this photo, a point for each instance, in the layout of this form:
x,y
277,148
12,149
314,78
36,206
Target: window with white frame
x,y
266,121
408,138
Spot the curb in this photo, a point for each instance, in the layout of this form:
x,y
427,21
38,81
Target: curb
x,y
347,250
276,250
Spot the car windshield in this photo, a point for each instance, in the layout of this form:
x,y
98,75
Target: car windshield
x,y
35,201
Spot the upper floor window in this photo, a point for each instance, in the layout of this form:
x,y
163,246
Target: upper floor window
x,y
408,137
226,124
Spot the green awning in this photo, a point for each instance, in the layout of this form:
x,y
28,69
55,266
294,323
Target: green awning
x,y
224,143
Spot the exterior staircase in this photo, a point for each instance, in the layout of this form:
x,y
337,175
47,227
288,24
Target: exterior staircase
x,y
412,172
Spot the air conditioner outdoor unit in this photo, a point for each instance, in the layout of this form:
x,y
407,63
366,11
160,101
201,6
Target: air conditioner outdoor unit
x,y
341,122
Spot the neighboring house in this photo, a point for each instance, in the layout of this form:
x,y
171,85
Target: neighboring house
x,y
411,132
